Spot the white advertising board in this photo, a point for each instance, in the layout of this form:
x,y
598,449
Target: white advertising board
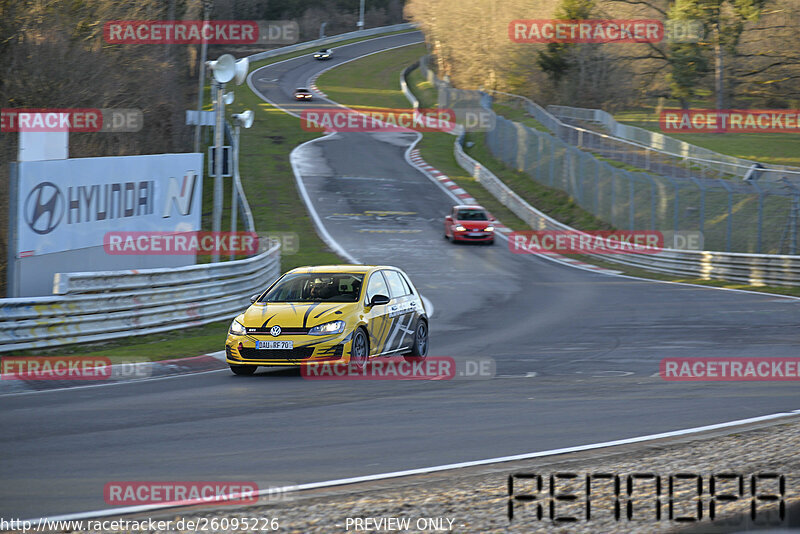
x,y
71,204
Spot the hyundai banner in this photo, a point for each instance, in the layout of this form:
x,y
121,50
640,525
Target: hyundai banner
x,y
72,204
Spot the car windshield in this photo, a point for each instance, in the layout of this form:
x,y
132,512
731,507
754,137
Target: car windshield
x,y
472,215
316,287
302,90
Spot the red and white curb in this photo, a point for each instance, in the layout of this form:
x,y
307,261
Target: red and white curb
x,y
445,180
461,194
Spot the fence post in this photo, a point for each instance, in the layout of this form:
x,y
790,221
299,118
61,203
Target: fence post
x,y
702,189
632,208
760,216
729,226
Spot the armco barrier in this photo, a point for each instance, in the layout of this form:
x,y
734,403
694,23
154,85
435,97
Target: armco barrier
x,y
330,40
656,141
753,269
105,305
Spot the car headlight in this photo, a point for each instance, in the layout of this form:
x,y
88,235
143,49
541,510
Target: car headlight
x,y
237,328
460,228
490,228
334,327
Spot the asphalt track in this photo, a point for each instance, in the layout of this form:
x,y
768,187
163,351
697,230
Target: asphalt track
x,y
576,355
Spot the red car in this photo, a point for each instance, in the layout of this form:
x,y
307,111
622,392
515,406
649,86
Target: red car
x,y
469,223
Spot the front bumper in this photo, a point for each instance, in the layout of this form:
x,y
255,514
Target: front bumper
x,y
479,236
308,350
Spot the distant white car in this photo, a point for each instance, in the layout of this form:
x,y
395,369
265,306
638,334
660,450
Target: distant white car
x,y
325,53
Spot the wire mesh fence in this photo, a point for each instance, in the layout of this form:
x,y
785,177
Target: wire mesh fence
x,y
638,188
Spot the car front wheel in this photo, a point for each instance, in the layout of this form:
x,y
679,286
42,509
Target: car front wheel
x,y
359,351
420,347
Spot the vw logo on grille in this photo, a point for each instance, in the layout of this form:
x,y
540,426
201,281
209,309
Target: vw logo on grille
x,y
275,331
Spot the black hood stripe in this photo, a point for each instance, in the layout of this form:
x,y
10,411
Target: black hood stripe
x,y
329,310
308,312
268,320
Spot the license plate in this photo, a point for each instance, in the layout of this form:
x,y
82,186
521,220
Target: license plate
x,y
476,233
285,345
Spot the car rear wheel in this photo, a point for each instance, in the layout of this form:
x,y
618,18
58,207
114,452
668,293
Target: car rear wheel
x,y
359,350
419,349
243,370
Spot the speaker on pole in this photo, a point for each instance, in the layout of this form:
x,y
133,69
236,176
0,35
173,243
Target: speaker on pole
x,y
224,68
241,68
245,118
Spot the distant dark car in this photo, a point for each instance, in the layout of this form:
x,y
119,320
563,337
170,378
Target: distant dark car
x,y
325,53
469,223
302,94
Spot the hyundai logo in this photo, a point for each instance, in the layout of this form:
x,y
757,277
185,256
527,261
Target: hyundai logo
x,y
44,208
275,331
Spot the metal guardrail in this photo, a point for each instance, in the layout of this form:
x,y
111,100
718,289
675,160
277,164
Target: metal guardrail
x,y
752,269
330,40
721,163
106,305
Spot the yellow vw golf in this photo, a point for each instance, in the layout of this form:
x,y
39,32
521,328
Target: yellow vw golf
x,y
330,314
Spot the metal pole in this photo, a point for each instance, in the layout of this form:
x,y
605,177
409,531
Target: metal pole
x,y
234,190
216,220
361,16
201,81
793,229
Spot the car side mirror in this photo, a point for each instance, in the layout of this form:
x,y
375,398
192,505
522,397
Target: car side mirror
x,y
254,298
378,300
